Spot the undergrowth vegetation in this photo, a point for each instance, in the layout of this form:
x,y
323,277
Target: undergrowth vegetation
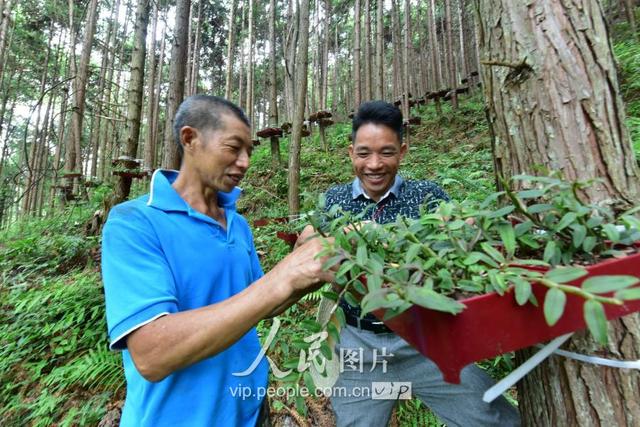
x,y
55,366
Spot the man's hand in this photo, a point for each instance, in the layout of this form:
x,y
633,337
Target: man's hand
x,y
301,270
306,234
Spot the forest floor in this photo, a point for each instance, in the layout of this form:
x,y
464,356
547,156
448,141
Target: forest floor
x,y
55,367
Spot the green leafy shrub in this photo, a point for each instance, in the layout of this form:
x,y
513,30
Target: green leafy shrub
x,y
470,248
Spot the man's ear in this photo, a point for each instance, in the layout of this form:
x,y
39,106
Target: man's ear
x,y
403,149
351,151
188,135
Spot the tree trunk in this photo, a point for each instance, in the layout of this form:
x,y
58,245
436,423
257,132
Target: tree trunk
x,y
195,54
230,50
241,75
149,144
405,63
563,110
368,69
5,22
301,95
379,49
451,63
134,98
464,69
357,77
435,54
291,42
250,83
629,9
273,90
73,152
177,71
326,35
397,49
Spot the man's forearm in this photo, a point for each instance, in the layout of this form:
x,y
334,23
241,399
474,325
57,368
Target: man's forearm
x,y
175,341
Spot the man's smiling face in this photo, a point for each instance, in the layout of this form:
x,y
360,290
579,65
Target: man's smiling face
x,y
376,154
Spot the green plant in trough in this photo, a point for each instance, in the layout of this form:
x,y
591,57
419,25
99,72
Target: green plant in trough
x,y
467,248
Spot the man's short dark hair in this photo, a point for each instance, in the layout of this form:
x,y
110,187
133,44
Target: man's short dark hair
x,y
378,113
204,112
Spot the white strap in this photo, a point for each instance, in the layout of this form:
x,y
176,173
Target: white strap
x,y
508,381
622,364
503,385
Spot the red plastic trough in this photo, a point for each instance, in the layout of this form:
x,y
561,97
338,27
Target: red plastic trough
x,y
492,325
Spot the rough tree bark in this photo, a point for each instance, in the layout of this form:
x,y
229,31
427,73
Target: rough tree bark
x,y
177,71
451,63
134,98
149,142
405,64
273,90
298,115
367,51
73,152
357,90
562,110
379,49
250,66
231,37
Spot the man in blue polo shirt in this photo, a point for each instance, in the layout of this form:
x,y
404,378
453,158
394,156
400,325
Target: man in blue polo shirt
x,y
376,153
184,288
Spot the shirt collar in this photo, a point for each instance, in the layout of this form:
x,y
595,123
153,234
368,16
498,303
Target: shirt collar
x,y
357,191
163,196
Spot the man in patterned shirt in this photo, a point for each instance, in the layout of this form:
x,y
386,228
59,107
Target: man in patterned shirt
x,y
376,153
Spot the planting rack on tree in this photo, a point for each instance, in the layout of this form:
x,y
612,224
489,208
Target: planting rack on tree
x,y
492,324
128,168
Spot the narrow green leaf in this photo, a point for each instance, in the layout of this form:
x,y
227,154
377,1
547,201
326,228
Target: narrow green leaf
x,y
326,350
508,236
530,194
543,207
332,261
554,303
523,290
340,316
501,212
344,268
596,320
628,294
412,252
492,252
333,332
301,406
549,251
374,282
565,274
350,299
361,254
611,232
594,221
490,199
308,381
373,301
523,227
430,299
330,295
589,243
604,284
473,258
566,220
578,234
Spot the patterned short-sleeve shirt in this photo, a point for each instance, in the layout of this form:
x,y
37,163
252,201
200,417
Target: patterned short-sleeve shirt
x,y
403,199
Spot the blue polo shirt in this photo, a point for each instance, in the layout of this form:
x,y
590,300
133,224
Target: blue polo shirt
x,y
160,256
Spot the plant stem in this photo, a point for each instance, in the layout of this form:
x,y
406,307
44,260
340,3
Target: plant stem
x,y
574,290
